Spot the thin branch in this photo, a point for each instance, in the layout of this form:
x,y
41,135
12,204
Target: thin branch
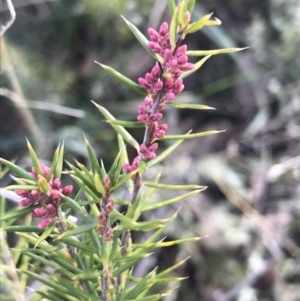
x,y
12,13
42,105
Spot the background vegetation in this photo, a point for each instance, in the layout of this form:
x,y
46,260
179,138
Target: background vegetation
x,y
251,210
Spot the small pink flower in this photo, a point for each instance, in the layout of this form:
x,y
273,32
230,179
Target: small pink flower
x,y
153,34
164,29
154,47
39,212
44,223
56,184
67,190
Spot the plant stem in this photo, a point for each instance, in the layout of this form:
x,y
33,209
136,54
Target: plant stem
x,y
105,278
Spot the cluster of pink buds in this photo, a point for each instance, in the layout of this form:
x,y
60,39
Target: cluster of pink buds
x,y
49,202
162,84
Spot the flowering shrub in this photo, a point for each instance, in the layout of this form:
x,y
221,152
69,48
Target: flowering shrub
x,y
94,259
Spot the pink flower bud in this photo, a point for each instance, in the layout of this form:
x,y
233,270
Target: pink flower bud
x,y
149,78
164,29
182,59
141,109
67,190
51,210
56,184
159,134
151,155
39,212
108,234
153,147
45,170
141,118
153,34
155,71
168,55
168,83
154,47
106,182
181,51
173,63
44,223
163,127
170,96
148,102
26,202
34,193
55,195
22,193
127,168
109,207
102,217
187,67
143,83
158,86
143,149
176,73
156,116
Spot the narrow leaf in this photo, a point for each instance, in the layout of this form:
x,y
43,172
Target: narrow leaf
x,y
141,38
190,136
123,179
165,153
125,135
93,158
77,230
123,79
173,29
21,187
20,172
45,234
98,183
127,124
60,162
204,21
169,186
54,162
34,159
196,67
172,6
190,5
213,52
23,228
170,201
184,105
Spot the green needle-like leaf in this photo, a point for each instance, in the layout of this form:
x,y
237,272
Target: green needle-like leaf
x,y
173,29
93,158
60,162
77,230
20,172
184,105
190,5
142,39
123,79
22,228
98,183
45,234
165,153
21,187
17,212
190,136
119,129
196,67
54,162
175,187
204,21
170,201
127,124
34,159
172,6
213,52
